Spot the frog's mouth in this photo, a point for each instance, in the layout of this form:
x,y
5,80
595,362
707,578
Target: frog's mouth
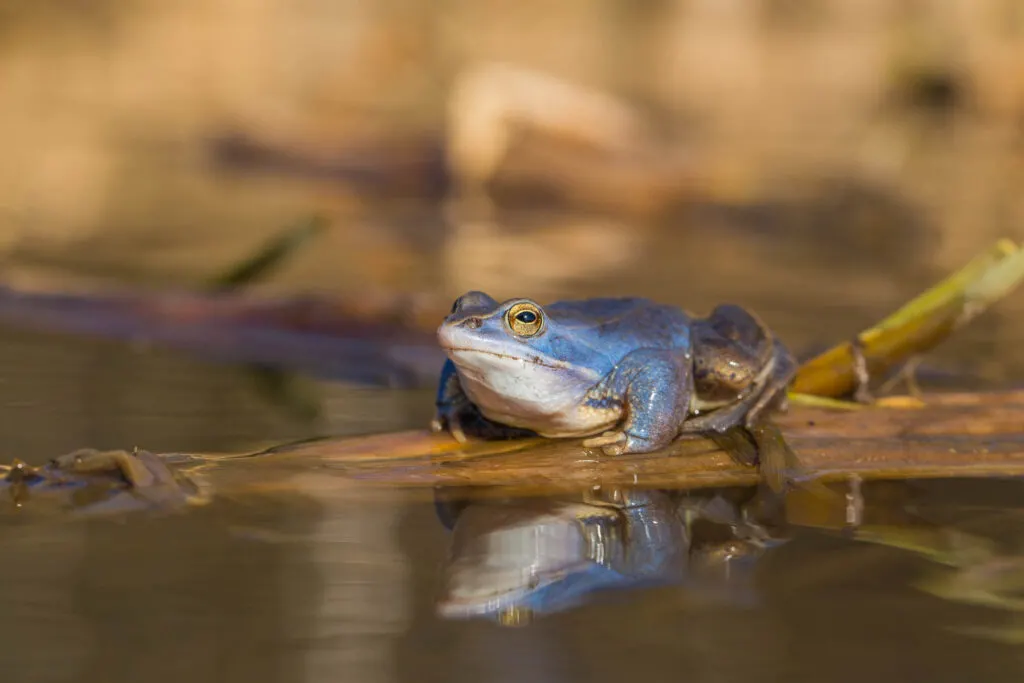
x,y
533,360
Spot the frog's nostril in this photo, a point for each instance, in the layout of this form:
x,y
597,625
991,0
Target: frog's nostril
x,y
473,323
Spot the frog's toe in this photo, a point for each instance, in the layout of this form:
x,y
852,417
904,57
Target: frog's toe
x,y
639,444
621,443
449,421
605,441
455,429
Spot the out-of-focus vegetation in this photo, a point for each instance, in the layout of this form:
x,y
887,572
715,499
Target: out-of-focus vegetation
x,y
108,107
693,151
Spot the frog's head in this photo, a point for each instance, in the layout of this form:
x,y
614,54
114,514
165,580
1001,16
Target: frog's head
x,y
515,354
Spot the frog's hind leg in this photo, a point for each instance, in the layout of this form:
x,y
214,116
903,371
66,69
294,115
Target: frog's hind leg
x,y
773,396
761,445
744,431
758,402
738,442
774,456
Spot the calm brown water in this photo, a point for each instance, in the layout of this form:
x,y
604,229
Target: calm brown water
x,y
316,587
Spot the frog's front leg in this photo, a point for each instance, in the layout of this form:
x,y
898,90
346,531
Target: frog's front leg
x,y
451,404
654,388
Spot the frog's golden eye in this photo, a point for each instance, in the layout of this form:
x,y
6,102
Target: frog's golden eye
x,y
525,319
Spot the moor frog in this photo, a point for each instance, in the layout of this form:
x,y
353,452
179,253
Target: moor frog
x,y
629,373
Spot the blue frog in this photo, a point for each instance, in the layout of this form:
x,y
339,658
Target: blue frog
x,y
629,374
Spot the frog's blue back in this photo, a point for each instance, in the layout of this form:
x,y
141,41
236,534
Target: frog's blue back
x,y
600,332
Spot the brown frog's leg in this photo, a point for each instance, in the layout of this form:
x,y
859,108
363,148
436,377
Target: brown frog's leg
x,y
774,455
457,414
748,415
770,393
738,443
773,395
760,444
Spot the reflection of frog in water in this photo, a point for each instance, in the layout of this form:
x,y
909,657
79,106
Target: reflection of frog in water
x,y
630,374
513,559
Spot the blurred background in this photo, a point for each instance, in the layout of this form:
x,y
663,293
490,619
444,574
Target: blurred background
x,y
821,161
688,150
159,142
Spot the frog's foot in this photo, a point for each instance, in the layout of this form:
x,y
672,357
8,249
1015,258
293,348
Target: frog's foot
x,y
610,442
464,422
760,445
610,437
776,460
621,443
450,421
738,443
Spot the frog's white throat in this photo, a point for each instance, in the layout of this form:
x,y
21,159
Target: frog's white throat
x,y
543,395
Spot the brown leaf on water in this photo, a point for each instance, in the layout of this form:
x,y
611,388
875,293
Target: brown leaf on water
x,y
954,435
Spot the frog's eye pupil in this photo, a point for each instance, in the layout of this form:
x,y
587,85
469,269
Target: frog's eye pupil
x,y
524,320
527,317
